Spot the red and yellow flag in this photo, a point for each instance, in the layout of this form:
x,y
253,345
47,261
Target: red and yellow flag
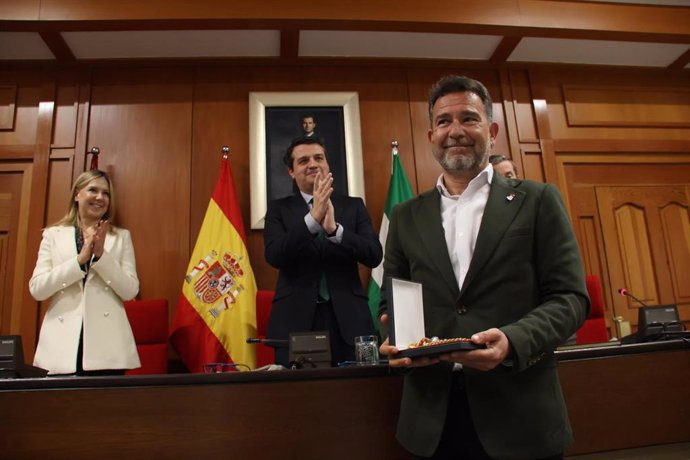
x,y
216,311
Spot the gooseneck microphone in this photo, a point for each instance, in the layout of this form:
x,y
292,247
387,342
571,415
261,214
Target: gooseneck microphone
x,y
625,293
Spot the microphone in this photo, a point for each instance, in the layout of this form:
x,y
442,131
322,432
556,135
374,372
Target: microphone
x,y
275,343
625,293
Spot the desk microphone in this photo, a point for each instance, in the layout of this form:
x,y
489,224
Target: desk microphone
x,y
625,293
275,343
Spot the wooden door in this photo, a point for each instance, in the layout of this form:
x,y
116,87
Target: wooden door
x,y
647,240
14,190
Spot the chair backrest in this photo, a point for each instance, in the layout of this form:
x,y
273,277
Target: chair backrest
x,y
264,302
594,329
149,322
595,295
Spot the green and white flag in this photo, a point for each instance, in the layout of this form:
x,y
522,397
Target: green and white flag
x,y
399,191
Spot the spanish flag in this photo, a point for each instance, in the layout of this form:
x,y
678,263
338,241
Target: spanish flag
x,y
216,311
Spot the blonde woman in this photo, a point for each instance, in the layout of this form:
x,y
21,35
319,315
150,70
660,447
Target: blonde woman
x,y
86,266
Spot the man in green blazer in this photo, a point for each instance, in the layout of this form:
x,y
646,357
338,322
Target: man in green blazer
x,y
499,263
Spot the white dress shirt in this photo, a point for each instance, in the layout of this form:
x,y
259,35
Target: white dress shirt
x,y
461,216
315,227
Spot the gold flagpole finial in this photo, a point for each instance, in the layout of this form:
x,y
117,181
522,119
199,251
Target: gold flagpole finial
x,y
226,152
394,152
95,151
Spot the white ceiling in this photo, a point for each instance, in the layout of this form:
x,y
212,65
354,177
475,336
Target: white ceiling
x,y
173,44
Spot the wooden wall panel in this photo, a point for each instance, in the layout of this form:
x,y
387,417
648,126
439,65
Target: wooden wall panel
x,y
524,111
8,102
626,106
66,111
532,162
675,220
609,114
141,119
9,186
15,191
28,94
642,184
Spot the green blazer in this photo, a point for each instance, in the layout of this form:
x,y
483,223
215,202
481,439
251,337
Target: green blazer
x,y
526,278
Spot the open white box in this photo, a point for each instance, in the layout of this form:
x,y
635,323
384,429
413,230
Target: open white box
x,y
406,321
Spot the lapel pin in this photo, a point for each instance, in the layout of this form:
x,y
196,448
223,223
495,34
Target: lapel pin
x,y
510,197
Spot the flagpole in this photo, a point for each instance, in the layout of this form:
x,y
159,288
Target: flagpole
x,y
95,151
399,190
394,152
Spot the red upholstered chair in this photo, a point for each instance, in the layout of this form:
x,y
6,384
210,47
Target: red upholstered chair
x,y
264,301
149,321
594,329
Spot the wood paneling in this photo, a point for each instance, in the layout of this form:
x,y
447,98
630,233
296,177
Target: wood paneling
x,y
613,116
616,397
676,230
15,194
626,401
141,119
66,111
6,270
635,223
562,18
28,94
24,10
626,106
8,97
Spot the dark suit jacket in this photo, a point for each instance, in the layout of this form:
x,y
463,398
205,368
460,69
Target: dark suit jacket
x,y
302,257
526,278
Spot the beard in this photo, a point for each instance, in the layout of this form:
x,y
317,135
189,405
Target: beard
x,y
450,163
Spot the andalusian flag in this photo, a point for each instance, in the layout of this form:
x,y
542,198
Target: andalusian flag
x,y
399,190
216,311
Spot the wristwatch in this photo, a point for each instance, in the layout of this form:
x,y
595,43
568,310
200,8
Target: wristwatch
x,y
337,226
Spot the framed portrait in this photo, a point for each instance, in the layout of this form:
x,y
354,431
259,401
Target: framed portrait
x,y
278,118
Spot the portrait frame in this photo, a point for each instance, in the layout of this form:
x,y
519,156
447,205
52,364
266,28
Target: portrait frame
x,y
348,102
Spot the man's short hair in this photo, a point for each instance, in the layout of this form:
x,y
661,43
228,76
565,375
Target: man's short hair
x,y
459,84
496,159
287,158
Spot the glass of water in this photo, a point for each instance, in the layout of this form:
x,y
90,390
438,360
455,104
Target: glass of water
x,y
367,350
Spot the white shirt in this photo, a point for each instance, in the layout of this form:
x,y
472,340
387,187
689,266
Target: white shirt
x,y
461,216
315,227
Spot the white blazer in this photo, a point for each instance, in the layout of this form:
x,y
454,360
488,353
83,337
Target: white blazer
x,y
96,303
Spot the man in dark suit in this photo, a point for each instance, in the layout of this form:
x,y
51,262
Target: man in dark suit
x,y
308,123
316,239
499,263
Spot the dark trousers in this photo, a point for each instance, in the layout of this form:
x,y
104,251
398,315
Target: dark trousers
x,y
325,320
459,440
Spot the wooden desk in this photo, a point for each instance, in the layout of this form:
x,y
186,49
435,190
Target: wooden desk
x,y
317,414
627,396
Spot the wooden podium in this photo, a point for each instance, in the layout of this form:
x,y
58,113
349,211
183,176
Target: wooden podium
x,y
618,397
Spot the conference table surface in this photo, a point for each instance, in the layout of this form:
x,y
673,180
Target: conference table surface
x,y
618,396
